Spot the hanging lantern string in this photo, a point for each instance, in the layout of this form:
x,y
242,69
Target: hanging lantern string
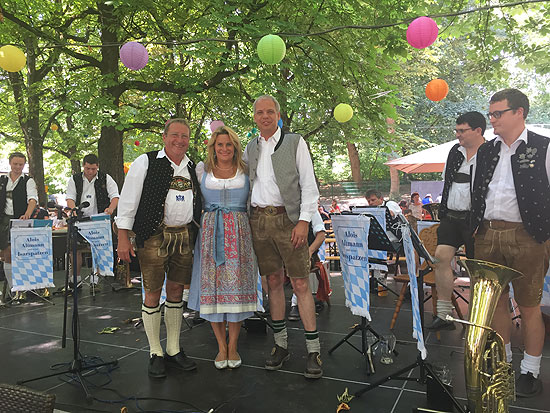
x,y
320,33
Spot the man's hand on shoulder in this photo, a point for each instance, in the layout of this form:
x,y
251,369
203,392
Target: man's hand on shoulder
x,y
299,234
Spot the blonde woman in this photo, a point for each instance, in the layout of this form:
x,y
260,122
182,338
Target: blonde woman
x,y
224,282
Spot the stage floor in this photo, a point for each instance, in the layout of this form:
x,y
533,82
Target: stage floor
x,y
30,344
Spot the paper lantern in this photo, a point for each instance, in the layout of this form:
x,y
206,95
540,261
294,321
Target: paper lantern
x,y
12,58
343,112
136,143
280,123
271,49
215,124
134,55
422,32
54,127
437,89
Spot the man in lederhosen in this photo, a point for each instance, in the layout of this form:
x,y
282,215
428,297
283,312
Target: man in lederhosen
x,y
454,211
93,186
511,220
161,203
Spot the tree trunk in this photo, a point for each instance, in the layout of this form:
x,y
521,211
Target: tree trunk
x,y
109,148
394,173
354,162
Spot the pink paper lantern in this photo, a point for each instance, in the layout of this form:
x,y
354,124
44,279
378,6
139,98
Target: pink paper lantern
x,y
134,55
216,124
422,32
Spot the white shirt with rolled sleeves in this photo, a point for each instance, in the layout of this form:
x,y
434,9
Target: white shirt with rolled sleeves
x,y
459,198
265,191
88,193
32,193
178,207
501,201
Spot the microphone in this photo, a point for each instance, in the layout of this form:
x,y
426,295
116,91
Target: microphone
x,y
52,204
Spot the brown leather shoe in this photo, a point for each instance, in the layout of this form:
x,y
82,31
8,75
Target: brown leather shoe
x,y
277,357
313,366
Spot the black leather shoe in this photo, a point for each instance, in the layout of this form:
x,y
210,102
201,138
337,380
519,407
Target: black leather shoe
x,y
528,386
439,324
294,314
313,366
180,361
277,357
157,368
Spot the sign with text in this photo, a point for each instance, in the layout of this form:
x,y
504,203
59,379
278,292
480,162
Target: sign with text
x,y
98,235
31,257
352,233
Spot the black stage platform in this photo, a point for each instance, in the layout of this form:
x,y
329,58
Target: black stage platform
x,y
30,342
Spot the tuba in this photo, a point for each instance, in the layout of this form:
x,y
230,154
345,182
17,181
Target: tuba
x,y
490,384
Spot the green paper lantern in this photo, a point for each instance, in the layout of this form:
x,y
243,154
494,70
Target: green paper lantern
x,y
271,49
343,112
12,59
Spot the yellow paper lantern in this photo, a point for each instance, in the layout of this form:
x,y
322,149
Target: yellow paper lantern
x,y
12,59
343,112
54,127
271,49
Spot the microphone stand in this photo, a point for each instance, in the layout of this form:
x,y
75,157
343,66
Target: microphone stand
x,y
77,366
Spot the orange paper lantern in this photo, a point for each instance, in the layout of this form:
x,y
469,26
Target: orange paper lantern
x,y
437,89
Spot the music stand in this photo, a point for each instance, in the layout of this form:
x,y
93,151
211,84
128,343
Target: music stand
x,y
77,366
381,242
423,365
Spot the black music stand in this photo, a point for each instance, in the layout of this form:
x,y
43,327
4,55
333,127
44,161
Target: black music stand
x,y
424,367
77,365
381,242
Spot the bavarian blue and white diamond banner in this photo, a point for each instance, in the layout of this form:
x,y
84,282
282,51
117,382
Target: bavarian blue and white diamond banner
x,y
411,269
98,235
352,233
259,295
31,258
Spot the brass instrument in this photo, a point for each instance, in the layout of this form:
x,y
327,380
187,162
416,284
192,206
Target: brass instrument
x,y
490,384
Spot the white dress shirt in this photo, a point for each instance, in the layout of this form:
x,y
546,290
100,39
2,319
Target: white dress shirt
x,y
178,207
317,224
265,191
501,201
88,193
32,193
459,198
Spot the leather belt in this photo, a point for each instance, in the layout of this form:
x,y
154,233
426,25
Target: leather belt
x,y
271,210
458,214
501,225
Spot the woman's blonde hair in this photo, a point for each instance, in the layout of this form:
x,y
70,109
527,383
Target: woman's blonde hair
x,y
237,153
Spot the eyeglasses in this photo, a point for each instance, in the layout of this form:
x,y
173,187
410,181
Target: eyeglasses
x,y
497,113
461,131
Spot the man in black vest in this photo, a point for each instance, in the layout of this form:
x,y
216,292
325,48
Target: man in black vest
x,y
18,198
161,203
511,220
95,187
454,211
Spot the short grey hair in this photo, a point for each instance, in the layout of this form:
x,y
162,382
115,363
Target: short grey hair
x,y
175,120
277,106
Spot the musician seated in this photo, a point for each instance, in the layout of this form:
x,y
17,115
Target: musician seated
x,y
374,198
95,187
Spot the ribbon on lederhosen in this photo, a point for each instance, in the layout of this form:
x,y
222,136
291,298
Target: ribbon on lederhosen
x,y
219,229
